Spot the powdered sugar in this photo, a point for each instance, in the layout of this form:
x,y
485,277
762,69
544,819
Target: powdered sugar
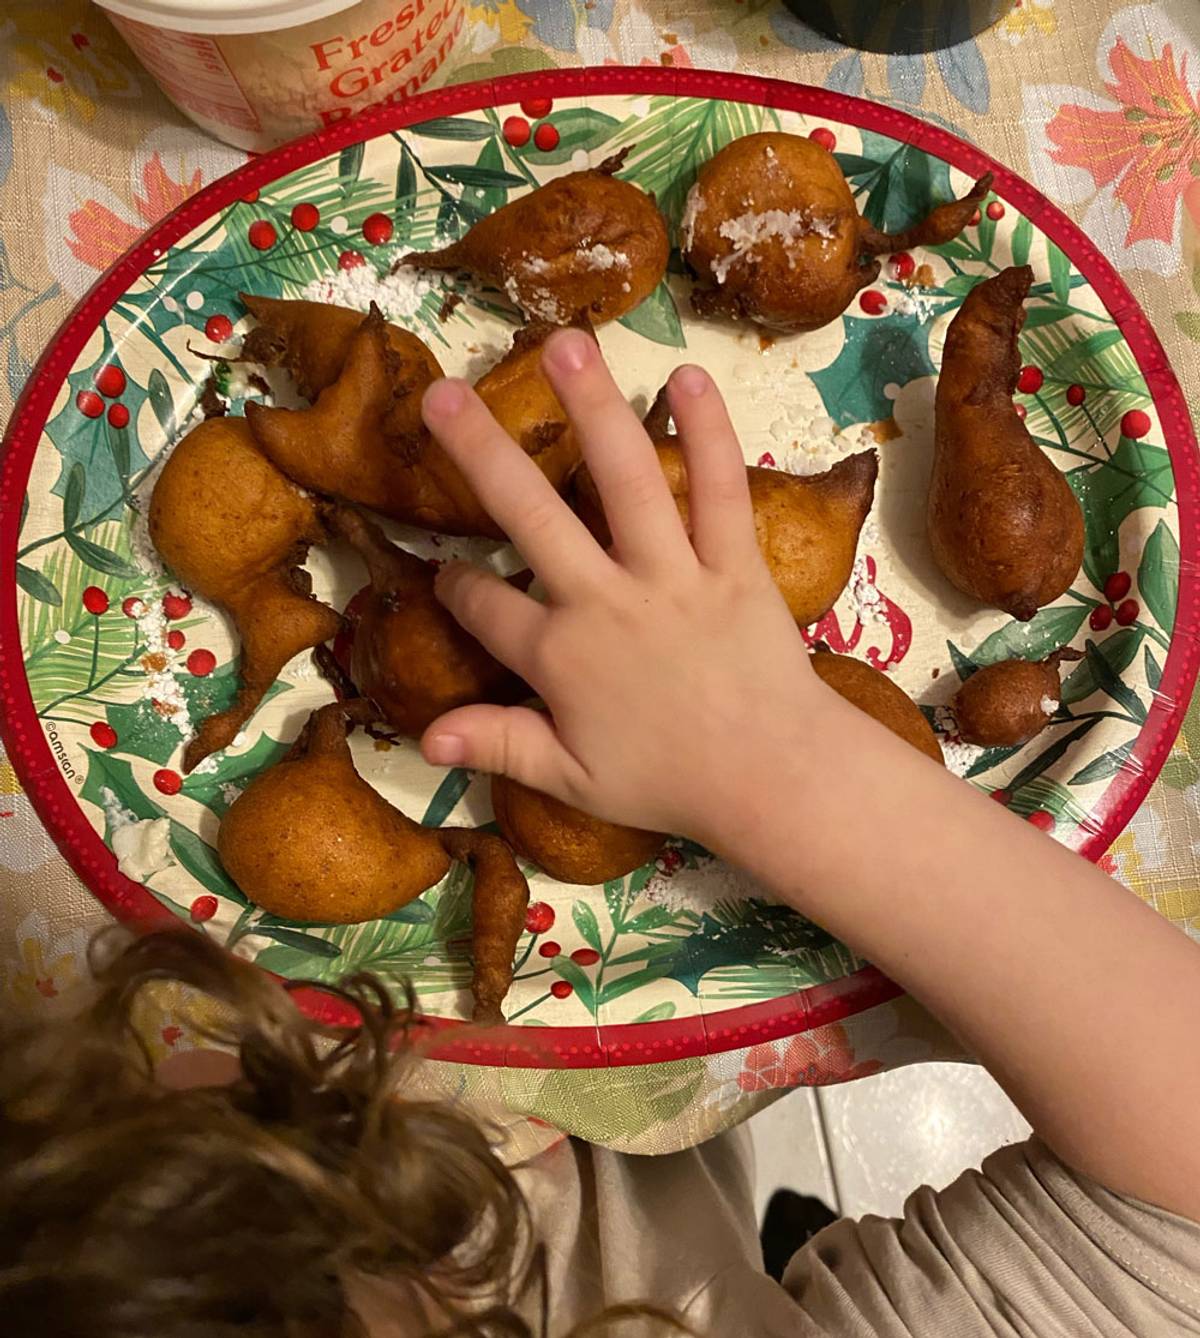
x,y
537,302
1049,705
959,757
599,256
868,602
701,888
913,302
398,296
142,845
692,209
751,229
159,662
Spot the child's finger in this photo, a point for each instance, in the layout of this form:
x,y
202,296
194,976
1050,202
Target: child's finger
x,y
511,741
719,510
502,619
646,530
513,490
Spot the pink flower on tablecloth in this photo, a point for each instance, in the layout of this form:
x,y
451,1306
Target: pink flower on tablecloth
x,y
88,226
1128,155
44,966
1148,145
811,1059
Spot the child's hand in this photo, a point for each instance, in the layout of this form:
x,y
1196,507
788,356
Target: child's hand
x,y
671,667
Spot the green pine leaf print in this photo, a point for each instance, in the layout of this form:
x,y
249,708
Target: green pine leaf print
x,y
1138,475
1109,682
1104,766
1158,575
586,923
1022,239
1046,631
111,778
1060,272
37,586
657,318
904,186
1118,652
216,790
203,863
891,349
445,799
453,127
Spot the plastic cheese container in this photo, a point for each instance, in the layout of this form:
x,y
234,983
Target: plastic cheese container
x,y
258,72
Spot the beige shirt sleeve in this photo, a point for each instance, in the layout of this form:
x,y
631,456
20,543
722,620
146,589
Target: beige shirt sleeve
x,y
1023,1248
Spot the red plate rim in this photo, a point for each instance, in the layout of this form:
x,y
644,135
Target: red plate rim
x,y
626,1043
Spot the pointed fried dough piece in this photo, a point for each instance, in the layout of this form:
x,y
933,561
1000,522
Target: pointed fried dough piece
x,y
233,529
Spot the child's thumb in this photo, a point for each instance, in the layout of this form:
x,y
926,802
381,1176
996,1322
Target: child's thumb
x,y
510,740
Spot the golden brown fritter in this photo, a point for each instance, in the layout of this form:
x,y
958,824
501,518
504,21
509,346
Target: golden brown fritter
x,y
411,658
1003,523
583,244
567,843
875,694
310,840
233,529
1005,704
772,232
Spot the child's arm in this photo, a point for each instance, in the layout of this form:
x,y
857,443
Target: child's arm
x,y
682,700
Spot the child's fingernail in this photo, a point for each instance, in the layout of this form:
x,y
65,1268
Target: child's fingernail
x,y
446,750
445,398
691,380
569,350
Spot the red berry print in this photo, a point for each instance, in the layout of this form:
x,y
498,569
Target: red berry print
x,y
1100,618
872,301
1029,380
975,219
1127,613
167,781
1021,411
378,229
95,600
1076,395
305,217
536,108
585,956
516,131
217,329
995,211
118,415
538,917
823,136
55,76
103,734
133,607
262,235
903,265
350,260
171,1034
176,639
201,663
79,41
110,381
766,460
1135,424
562,989
203,908
1001,796
546,137
250,197
1117,586
549,948
89,404
1043,821
177,606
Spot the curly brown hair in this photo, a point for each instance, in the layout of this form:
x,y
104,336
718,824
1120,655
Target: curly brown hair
x,y
268,1207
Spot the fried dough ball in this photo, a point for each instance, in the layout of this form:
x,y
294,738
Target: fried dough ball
x,y
234,530
1003,523
772,232
567,843
411,659
1005,704
586,243
807,525
309,839
874,693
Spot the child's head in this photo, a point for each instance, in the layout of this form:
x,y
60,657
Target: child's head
x,y
266,1206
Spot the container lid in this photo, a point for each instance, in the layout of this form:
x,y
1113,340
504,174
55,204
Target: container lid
x,y
226,16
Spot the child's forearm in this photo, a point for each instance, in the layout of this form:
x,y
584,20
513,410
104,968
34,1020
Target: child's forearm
x,y
1081,1000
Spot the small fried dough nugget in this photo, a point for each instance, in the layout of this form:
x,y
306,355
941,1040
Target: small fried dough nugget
x,y
1005,704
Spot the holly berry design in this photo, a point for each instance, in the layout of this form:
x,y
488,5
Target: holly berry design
x,y
1119,609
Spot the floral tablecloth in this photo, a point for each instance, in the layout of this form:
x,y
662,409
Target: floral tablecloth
x,y
1097,103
